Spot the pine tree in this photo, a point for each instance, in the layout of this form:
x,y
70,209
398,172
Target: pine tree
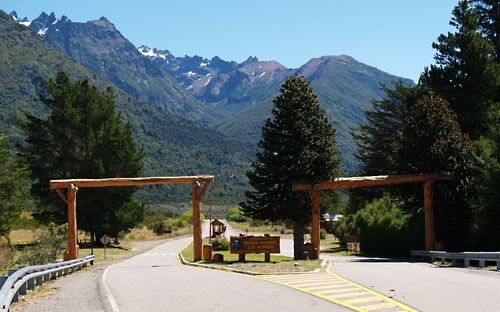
x,y
297,145
432,141
83,137
489,19
14,189
380,138
465,73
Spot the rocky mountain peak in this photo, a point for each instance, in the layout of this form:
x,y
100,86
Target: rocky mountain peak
x,y
24,21
104,23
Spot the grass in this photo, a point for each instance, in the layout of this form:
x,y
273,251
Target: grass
x,y
243,226
145,234
255,262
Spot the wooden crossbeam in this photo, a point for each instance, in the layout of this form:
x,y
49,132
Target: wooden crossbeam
x,y
204,189
86,183
369,181
61,194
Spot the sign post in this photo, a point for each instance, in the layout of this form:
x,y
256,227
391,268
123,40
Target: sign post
x,y
105,240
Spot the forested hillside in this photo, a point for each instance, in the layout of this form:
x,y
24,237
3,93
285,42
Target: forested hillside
x,y
172,145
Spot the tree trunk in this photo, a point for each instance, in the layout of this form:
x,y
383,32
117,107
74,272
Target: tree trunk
x,y
298,241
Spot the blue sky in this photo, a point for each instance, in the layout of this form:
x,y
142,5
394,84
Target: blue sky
x,y
392,35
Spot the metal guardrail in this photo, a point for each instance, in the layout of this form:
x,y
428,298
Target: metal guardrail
x,y
20,281
454,257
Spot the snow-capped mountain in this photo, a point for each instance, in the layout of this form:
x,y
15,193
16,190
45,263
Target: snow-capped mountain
x,y
226,84
24,21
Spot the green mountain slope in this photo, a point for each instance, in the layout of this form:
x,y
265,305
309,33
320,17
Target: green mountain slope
x,y
101,48
345,87
173,146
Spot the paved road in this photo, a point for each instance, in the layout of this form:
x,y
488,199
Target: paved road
x,y
155,281
423,286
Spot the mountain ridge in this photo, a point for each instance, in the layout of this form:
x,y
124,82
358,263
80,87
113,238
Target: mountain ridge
x,y
233,98
172,145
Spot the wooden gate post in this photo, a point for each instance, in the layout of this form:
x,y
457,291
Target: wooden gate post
x,y
197,239
428,216
315,224
73,251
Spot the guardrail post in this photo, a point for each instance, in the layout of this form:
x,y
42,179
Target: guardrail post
x,y
482,263
466,262
454,262
23,289
498,265
31,283
46,277
39,280
66,271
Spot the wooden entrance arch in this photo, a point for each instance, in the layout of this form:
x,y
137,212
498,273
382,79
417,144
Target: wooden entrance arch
x,y
67,190
372,181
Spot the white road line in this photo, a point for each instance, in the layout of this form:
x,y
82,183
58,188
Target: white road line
x,y
107,292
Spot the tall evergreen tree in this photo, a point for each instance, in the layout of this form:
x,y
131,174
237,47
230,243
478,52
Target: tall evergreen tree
x,y
379,139
465,73
432,141
14,189
83,137
298,145
489,19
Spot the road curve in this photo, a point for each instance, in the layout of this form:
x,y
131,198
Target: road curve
x,y
155,281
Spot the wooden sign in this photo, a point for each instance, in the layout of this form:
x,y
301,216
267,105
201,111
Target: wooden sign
x,y
254,244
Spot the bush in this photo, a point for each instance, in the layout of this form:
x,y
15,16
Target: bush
x,y
322,234
48,244
383,227
236,215
219,244
179,223
187,217
159,228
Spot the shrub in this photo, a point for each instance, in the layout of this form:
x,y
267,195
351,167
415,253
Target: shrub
x,y
179,223
159,228
48,243
322,234
383,227
219,244
236,215
187,217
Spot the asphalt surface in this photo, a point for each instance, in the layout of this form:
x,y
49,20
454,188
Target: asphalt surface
x,y
155,281
422,285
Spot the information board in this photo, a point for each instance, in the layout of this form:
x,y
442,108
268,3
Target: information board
x,y
254,244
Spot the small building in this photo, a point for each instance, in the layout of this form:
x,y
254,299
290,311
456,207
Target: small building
x,y
217,228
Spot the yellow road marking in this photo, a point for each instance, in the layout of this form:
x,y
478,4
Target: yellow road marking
x,y
339,290
293,280
328,287
363,299
378,306
355,293
313,283
385,298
